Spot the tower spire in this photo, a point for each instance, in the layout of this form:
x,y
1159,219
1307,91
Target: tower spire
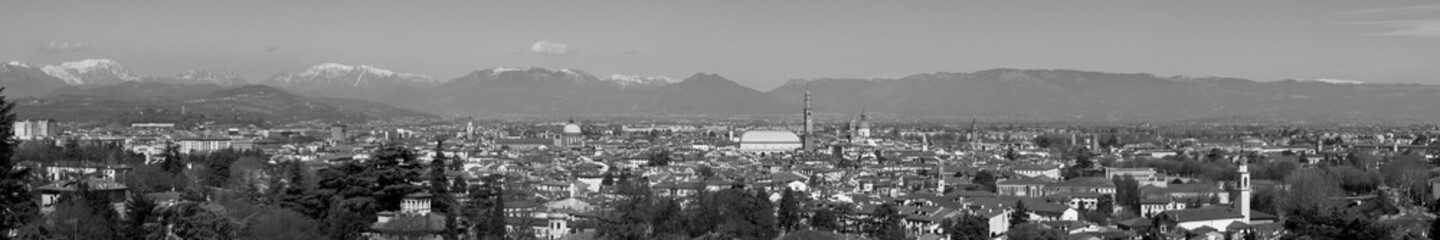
x,y
970,135
809,124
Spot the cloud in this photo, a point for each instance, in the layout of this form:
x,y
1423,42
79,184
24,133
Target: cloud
x,y
272,48
1396,10
550,48
1408,28
59,46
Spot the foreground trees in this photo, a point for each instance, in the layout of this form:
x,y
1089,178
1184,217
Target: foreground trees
x,y
16,203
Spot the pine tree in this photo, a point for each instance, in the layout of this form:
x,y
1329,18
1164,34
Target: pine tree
x,y
16,201
140,210
791,210
1021,215
440,189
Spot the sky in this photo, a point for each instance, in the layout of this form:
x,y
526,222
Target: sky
x,y
760,44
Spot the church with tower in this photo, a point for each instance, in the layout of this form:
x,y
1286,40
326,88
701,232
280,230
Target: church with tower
x,y
1236,220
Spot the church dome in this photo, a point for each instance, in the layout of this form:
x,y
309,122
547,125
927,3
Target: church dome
x,y
572,128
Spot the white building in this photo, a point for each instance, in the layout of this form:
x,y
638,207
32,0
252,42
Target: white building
x,y
35,129
203,144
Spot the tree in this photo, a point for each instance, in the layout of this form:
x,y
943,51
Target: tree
x,y
1409,173
85,214
887,223
440,188
791,210
751,216
985,178
347,220
668,220
1434,228
140,210
1105,204
825,219
1083,161
282,224
1021,214
346,197
16,202
1310,190
174,162
1042,141
1333,224
1127,193
191,221
609,180
1034,231
967,227
486,209
631,217
660,158
1355,180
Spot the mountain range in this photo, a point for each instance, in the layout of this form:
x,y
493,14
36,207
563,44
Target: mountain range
x,y
129,102
1097,96
1022,94
100,89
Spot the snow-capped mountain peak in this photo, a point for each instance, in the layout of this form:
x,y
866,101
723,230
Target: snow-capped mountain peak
x,y
1336,81
340,69
17,64
499,70
222,78
633,80
339,78
90,71
331,70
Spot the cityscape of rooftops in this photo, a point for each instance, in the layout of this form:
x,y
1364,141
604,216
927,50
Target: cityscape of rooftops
x,y
775,120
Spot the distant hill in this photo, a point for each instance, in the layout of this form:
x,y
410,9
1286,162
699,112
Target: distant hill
x,y
187,103
1097,96
711,94
538,91
21,80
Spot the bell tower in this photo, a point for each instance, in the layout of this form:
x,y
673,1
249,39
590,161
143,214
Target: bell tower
x,y
1244,205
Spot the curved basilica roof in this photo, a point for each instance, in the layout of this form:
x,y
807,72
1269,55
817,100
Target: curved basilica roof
x,y
769,137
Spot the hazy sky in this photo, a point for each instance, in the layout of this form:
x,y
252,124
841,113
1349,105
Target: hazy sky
x,y
757,43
